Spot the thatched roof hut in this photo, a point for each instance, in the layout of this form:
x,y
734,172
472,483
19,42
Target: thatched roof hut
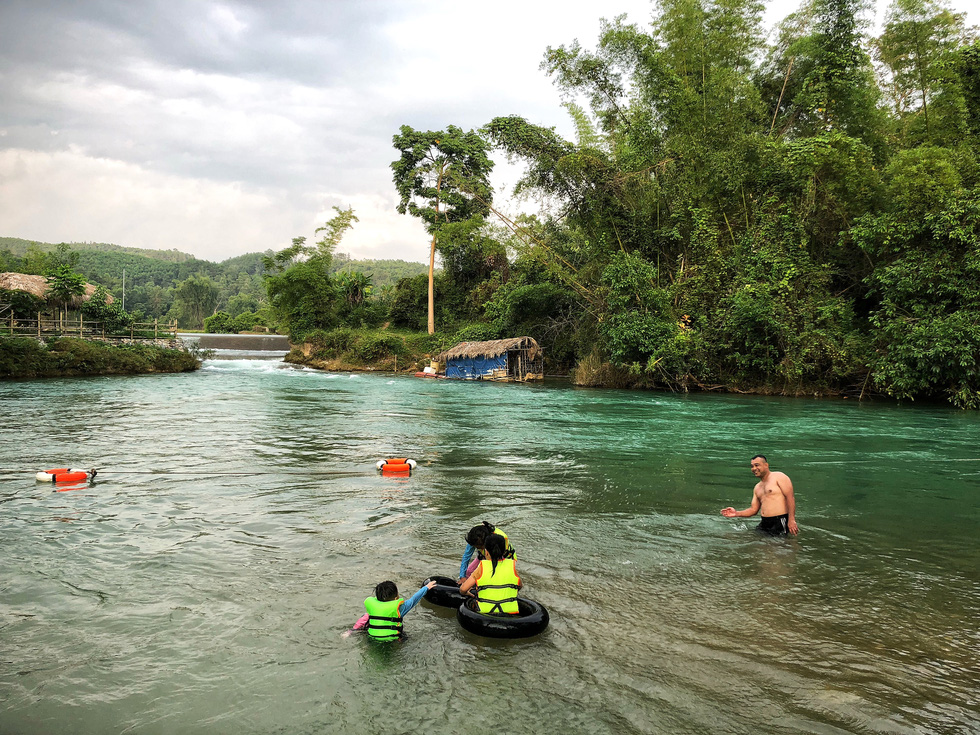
x,y
517,358
38,286
491,348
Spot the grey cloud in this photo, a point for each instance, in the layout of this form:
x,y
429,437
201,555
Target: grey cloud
x,y
309,42
131,61
284,99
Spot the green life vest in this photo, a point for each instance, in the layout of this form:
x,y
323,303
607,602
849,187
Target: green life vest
x,y
497,592
384,622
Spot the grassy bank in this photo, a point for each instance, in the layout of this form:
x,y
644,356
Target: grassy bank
x,y
369,349
24,357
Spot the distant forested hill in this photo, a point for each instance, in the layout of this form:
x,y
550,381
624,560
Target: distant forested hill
x,y
149,280
19,247
145,280
382,272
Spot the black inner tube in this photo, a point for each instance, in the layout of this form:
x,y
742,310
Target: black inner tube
x,y
532,619
446,592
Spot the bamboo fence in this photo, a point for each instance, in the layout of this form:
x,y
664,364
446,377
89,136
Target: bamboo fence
x,y
66,326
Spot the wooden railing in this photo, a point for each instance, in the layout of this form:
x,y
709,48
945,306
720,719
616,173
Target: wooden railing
x,y
61,326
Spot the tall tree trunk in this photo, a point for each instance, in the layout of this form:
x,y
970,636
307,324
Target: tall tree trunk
x,y
432,257
432,290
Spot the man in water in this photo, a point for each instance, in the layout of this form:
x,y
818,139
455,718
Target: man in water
x,y
773,494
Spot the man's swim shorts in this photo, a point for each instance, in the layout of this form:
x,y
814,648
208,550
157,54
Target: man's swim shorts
x,y
774,525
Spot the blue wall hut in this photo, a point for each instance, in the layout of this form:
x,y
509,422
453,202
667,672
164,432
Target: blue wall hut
x,y
516,359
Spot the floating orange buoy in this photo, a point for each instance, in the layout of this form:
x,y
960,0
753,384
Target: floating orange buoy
x,y
397,466
64,475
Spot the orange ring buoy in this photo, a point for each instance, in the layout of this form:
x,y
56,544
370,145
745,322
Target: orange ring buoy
x,y
70,476
63,474
397,469
396,466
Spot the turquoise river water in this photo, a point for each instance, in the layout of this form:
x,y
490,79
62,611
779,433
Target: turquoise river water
x,y
171,595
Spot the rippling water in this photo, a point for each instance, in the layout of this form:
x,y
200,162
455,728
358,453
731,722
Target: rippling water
x,y
172,595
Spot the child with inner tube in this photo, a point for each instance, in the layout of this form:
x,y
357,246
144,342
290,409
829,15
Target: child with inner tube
x,y
496,580
385,611
476,540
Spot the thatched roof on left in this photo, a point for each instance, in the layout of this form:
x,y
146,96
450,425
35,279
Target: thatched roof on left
x,y
38,286
491,348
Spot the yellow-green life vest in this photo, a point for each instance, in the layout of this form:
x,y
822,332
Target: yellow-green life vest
x,y
384,622
497,592
509,552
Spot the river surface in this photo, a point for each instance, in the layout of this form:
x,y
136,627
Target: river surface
x,y
172,595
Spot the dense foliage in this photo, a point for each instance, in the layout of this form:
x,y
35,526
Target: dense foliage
x,y
790,218
800,216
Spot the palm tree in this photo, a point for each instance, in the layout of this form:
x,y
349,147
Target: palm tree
x,y
65,287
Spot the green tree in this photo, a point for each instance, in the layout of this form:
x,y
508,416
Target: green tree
x,y
919,38
354,286
301,291
155,300
966,67
926,280
65,287
838,90
195,299
442,178
242,303
104,308
36,262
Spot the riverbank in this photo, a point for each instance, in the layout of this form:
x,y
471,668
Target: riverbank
x,y
358,350
349,350
595,373
25,357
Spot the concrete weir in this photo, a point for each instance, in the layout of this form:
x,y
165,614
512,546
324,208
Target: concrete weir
x,y
238,346
247,342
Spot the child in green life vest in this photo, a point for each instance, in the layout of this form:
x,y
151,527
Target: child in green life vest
x,y
496,580
385,611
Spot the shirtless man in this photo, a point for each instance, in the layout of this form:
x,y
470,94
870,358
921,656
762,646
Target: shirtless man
x,y
774,495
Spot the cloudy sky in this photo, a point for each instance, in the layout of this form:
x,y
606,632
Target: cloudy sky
x,y
220,128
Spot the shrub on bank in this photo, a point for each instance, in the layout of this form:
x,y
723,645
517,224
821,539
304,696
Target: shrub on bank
x,y
378,345
423,343
224,323
326,343
476,333
25,357
21,357
351,349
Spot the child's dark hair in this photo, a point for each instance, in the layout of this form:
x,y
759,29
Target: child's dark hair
x,y
496,548
386,592
477,536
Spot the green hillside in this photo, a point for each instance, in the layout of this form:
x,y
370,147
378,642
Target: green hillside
x,y
382,272
19,247
150,281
